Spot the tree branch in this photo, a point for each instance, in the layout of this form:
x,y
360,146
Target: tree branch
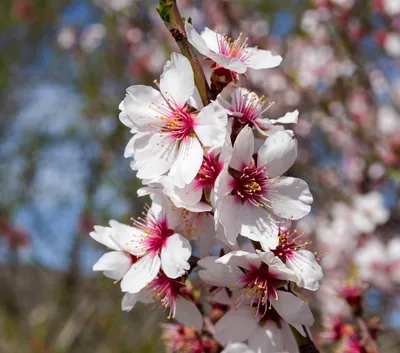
x,y
306,345
169,13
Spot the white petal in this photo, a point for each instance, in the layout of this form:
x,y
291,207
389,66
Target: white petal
x,y
188,314
277,267
140,105
228,214
289,341
205,233
257,224
210,125
141,273
288,118
211,39
115,264
267,339
235,325
195,100
182,197
308,270
225,97
124,118
177,80
223,185
200,44
104,235
240,258
157,157
262,59
266,128
292,309
278,152
243,149
291,197
126,236
231,64
137,142
188,161
196,40
129,301
237,348
218,274
175,255
224,297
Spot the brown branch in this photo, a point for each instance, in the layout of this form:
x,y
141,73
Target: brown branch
x,y
305,344
175,25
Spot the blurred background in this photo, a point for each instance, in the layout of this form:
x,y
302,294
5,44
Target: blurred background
x,y
64,68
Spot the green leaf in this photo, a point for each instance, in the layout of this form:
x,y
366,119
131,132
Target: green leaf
x,y
164,9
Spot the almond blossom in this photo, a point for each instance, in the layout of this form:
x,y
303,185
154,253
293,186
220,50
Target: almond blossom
x,y
370,211
251,193
256,276
233,55
170,292
246,108
294,254
379,264
261,309
140,251
194,223
169,135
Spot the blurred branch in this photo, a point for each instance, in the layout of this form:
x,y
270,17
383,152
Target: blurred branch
x,y
172,18
306,345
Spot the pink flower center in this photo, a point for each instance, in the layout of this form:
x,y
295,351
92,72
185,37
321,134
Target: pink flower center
x,y
209,171
251,185
179,123
259,285
233,49
249,106
173,118
156,231
167,291
288,243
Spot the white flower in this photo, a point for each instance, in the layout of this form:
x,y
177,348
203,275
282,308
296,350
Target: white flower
x,y
378,264
294,254
392,7
255,275
198,225
233,55
273,335
259,308
369,212
169,292
251,188
246,108
117,263
169,135
141,251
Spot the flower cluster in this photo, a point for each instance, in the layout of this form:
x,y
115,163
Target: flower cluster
x,y
215,176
